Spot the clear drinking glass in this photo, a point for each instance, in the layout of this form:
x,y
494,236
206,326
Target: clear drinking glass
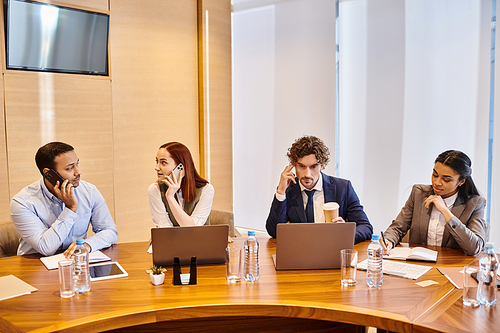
x,y
470,284
233,264
66,281
348,265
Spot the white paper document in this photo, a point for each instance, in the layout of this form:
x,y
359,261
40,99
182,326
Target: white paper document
x,y
51,261
401,269
11,286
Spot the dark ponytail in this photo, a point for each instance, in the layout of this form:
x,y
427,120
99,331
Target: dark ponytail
x,y
462,164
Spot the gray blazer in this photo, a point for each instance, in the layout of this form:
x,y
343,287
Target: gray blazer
x,y
467,230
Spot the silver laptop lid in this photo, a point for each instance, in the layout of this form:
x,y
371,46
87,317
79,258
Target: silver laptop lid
x,y
207,243
312,245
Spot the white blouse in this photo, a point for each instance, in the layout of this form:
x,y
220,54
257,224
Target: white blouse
x,y
159,212
437,223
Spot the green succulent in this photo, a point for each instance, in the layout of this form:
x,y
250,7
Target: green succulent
x,y
156,270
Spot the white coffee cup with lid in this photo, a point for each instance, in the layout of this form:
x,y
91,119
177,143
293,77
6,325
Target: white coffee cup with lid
x,y
331,211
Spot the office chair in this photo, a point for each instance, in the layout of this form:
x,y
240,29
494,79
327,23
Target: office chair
x,y
224,217
9,239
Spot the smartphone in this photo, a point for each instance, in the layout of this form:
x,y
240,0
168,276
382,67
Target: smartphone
x,y
53,176
178,171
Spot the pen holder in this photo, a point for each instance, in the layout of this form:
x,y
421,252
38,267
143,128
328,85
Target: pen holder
x,y
177,281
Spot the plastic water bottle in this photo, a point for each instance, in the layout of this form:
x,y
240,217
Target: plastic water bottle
x,y
487,276
81,274
374,276
251,258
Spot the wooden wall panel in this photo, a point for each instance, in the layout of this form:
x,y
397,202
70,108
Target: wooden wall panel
x,y
155,98
116,124
4,177
76,109
215,59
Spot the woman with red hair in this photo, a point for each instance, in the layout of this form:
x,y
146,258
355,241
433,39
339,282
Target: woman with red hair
x,y
179,198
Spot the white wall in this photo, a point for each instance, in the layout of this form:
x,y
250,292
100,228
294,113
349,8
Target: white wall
x,y
284,87
414,81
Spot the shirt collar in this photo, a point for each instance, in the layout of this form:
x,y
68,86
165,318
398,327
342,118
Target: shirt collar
x,y
46,191
451,200
317,187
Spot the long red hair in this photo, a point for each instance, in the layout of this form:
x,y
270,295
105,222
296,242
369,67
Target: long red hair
x,y
192,180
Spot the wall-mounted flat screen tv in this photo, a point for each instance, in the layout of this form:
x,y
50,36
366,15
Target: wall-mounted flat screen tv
x,y
50,38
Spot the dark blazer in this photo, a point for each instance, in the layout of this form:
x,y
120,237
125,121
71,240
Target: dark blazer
x,y
467,230
335,190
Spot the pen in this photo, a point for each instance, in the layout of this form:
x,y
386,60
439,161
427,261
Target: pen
x,y
383,242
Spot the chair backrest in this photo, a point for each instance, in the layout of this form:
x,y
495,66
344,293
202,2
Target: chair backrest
x,y
9,239
224,217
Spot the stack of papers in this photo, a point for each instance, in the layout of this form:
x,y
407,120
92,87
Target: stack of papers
x,y
51,261
401,269
416,253
11,286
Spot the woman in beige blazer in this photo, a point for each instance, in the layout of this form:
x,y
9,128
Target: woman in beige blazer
x,y
449,213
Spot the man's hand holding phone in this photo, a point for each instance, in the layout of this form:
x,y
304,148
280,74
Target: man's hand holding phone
x,y
63,189
286,177
66,192
54,178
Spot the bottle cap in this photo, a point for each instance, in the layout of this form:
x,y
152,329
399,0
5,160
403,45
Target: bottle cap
x,y
251,233
375,237
80,241
489,245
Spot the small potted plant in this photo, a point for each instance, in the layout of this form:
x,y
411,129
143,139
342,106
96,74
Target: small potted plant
x,y
157,276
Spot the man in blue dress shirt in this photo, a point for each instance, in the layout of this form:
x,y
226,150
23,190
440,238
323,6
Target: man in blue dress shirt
x,y
299,198
51,217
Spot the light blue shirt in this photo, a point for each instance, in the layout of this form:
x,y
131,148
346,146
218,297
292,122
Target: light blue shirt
x,y
46,225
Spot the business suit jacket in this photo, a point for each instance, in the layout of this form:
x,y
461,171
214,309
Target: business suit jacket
x,y
467,230
335,190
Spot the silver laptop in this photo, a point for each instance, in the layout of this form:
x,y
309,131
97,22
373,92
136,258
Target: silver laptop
x,y
312,245
207,243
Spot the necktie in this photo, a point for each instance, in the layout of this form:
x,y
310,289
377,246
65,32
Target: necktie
x,y
310,206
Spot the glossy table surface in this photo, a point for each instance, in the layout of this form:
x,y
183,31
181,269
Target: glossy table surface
x,y
399,305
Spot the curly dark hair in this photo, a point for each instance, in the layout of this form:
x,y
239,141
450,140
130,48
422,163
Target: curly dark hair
x,y
308,145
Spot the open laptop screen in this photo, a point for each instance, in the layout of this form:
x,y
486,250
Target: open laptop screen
x,y
312,245
207,243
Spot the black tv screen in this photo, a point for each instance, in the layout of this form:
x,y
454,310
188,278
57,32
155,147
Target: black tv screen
x,y
50,38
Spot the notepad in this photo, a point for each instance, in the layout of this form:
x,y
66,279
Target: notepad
x,y
401,269
11,286
51,261
415,253
454,274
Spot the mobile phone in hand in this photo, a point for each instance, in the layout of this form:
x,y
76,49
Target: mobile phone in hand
x,y
178,171
53,176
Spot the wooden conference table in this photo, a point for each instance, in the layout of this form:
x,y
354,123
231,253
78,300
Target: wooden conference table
x,y
279,301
